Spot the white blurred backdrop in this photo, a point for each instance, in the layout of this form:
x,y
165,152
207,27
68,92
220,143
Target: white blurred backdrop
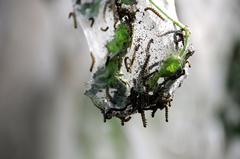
x,y
44,67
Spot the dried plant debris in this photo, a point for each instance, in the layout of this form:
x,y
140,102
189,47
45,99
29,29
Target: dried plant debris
x,y
139,53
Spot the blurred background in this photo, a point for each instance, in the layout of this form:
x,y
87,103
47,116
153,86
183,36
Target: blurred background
x,y
44,67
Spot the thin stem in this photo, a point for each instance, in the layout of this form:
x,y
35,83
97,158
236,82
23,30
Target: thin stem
x,y
186,43
180,25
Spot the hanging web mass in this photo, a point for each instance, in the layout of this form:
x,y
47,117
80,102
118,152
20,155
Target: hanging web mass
x,y
139,55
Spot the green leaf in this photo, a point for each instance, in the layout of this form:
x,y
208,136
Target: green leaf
x,y
112,70
120,41
114,46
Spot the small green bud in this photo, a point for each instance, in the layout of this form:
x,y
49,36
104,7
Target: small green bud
x,y
170,66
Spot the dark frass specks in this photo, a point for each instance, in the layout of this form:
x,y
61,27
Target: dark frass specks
x,y
151,87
